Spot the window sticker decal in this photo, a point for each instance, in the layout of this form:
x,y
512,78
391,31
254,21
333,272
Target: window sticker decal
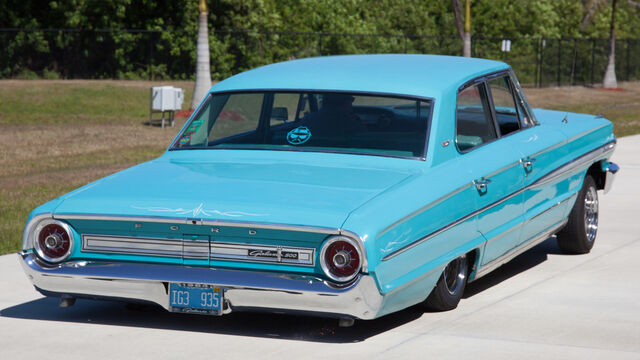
x,y
195,125
299,135
185,139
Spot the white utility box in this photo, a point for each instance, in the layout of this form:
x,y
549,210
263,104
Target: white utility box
x,y
166,98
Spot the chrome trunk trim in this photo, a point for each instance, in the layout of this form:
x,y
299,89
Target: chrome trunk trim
x,y
198,249
194,221
132,245
263,253
219,223
195,249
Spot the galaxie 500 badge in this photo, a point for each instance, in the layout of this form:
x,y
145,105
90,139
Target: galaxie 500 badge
x,y
299,135
272,254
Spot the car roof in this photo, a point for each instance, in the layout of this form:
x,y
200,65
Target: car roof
x,y
401,74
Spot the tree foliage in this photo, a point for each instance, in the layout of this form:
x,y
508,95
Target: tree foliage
x,y
248,33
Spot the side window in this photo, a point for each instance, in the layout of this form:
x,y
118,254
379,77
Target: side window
x,y
241,113
504,104
473,118
284,108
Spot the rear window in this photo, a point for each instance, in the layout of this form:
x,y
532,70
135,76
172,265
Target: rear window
x,y
310,121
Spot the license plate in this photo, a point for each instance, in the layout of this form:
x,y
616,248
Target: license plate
x,y
195,298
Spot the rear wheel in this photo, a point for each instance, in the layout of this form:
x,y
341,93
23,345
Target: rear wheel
x,y
580,233
450,287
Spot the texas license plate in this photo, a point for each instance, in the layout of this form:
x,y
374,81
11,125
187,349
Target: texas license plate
x,y
195,298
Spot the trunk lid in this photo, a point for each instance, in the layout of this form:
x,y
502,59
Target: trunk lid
x,y
249,186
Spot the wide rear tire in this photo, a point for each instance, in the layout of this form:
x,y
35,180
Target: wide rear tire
x,y
579,235
450,287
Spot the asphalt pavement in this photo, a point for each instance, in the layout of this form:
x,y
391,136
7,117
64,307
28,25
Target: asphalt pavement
x,y
543,304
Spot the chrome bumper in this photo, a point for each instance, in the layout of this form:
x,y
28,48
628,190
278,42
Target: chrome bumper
x,y
610,170
243,290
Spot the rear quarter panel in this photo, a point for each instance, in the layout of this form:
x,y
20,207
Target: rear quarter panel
x,y
583,133
414,209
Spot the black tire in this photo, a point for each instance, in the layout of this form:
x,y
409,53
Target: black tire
x,y
450,287
579,235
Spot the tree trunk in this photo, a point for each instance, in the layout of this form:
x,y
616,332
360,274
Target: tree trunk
x,y
203,71
466,44
463,28
610,74
466,40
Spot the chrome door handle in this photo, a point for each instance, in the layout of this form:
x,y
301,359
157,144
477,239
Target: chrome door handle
x,y
481,184
528,164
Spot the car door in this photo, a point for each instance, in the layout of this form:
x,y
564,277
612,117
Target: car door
x,y
545,203
495,166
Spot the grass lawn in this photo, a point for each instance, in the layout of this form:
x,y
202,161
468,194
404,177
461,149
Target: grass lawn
x,y
56,135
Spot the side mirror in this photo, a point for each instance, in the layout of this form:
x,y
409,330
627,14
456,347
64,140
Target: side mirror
x,y
280,114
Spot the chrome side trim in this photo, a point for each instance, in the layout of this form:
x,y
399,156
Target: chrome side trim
x,y
567,141
576,164
519,225
586,132
131,245
503,169
535,240
547,149
263,253
445,197
551,208
569,167
450,225
425,208
242,289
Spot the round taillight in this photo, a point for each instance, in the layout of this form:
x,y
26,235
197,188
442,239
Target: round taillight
x,y
53,240
340,258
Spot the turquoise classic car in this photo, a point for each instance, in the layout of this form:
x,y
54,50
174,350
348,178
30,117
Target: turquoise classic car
x,y
346,186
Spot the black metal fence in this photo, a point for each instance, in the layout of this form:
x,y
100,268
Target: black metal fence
x,y
148,54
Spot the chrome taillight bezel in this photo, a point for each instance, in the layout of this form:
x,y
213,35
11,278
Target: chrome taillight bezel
x,y
325,267
33,239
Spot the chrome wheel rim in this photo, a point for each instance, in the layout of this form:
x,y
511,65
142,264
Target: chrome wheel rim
x,y
591,213
455,274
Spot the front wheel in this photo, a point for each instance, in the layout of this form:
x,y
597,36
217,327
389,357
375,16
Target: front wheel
x,y
450,287
580,233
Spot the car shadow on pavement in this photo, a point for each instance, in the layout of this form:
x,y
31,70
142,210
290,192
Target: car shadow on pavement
x,y
521,263
268,325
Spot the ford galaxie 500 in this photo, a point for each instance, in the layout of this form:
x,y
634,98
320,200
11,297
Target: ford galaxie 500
x,y
346,186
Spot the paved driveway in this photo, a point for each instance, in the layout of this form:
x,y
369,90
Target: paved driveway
x,y
543,304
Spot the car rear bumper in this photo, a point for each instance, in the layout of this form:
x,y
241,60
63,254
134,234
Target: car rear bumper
x,y
243,290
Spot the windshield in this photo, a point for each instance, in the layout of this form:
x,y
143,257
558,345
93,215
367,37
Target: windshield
x,y
310,121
